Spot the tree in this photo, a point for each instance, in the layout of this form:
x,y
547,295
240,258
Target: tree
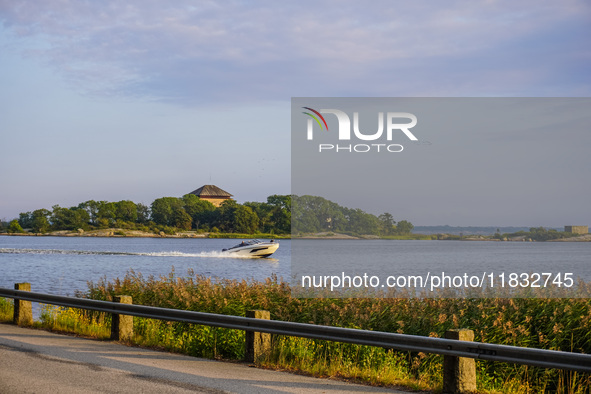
x,y
69,218
40,222
92,208
388,223
106,213
264,213
163,210
274,215
404,227
126,210
245,220
25,220
181,219
15,227
143,213
280,213
312,214
233,217
225,217
360,222
199,210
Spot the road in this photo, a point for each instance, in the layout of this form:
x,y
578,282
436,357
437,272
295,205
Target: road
x,y
37,361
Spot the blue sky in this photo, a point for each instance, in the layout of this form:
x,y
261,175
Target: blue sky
x,y
137,100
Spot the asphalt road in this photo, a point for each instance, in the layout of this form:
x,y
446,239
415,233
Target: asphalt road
x,y
36,361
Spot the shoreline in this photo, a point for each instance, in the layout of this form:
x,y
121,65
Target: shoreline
x,y
124,233
107,233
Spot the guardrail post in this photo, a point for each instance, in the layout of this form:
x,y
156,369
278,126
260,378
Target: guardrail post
x,y
459,373
122,325
23,310
258,344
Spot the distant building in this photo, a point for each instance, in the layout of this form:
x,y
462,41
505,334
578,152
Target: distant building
x,y
213,194
576,229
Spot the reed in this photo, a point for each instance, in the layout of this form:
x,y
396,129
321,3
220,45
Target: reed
x,y
82,322
6,310
558,324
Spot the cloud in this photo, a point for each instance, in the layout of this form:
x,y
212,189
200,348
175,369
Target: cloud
x,y
218,52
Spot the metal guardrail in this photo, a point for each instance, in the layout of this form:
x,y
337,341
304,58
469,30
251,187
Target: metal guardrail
x,y
448,347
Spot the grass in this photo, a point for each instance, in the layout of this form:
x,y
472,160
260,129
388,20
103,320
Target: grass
x,y
6,310
82,322
559,324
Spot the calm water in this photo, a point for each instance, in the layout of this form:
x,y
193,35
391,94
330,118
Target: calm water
x,y
408,257
62,265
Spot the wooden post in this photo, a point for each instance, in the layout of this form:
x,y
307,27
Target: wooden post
x,y
459,373
23,310
258,344
122,325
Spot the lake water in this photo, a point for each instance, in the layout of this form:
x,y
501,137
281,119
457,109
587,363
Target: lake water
x,y
426,267
62,265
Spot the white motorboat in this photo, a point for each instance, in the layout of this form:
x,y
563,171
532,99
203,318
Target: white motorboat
x,y
254,248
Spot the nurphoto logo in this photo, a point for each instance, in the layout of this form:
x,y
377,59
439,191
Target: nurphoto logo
x,y
393,126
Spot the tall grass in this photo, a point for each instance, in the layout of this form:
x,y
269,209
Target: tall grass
x,y
83,322
6,310
558,324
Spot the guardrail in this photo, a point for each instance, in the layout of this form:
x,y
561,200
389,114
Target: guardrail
x,y
443,346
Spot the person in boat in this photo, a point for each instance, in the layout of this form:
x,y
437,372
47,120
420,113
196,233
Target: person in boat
x,y
242,243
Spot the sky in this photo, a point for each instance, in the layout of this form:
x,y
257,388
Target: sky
x,y
499,161
138,100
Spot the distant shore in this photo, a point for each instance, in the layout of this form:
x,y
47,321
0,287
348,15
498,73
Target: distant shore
x,y
123,233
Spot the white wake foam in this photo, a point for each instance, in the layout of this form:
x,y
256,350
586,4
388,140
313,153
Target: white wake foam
x,y
172,253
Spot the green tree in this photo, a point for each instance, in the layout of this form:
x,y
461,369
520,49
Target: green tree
x,y
280,213
264,213
69,218
143,213
163,210
225,216
92,208
233,217
126,210
181,219
199,210
107,213
15,227
25,220
314,214
360,222
245,220
40,222
404,227
388,223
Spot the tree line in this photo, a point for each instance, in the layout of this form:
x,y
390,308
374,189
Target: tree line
x,y
167,214
311,214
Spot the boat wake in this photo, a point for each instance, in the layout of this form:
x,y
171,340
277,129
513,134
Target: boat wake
x,y
209,254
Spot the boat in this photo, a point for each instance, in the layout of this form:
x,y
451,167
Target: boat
x,y
254,248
